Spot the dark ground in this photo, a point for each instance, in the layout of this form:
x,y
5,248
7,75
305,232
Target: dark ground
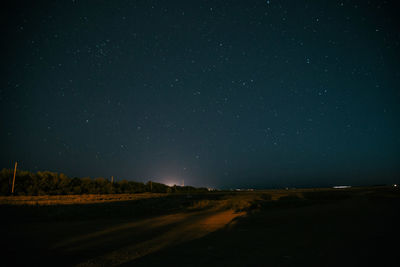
x,y
357,227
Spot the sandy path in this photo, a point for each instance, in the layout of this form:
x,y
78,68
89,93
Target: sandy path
x,y
159,232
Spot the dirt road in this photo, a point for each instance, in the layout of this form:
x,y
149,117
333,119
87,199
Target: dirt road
x,y
145,236
108,242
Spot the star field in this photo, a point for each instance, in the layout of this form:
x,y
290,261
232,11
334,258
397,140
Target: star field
x,y
218,93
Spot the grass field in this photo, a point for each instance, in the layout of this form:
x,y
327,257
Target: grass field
x,y
72,199
299,227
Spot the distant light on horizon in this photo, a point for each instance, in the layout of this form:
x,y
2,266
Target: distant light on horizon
x,y
341,186
171,181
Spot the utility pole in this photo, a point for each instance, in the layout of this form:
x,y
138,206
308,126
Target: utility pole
x,y
15,171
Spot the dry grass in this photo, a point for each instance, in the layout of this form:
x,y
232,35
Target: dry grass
x,y
241,201
233,200
73,199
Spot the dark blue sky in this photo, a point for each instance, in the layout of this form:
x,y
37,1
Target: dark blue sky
x,y
218,93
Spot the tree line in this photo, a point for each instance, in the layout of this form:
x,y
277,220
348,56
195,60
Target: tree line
x,y
52,183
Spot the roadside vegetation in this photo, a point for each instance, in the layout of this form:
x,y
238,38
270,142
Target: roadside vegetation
x,y
51,183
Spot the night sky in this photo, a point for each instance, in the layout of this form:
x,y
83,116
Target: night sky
x,y
223,94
